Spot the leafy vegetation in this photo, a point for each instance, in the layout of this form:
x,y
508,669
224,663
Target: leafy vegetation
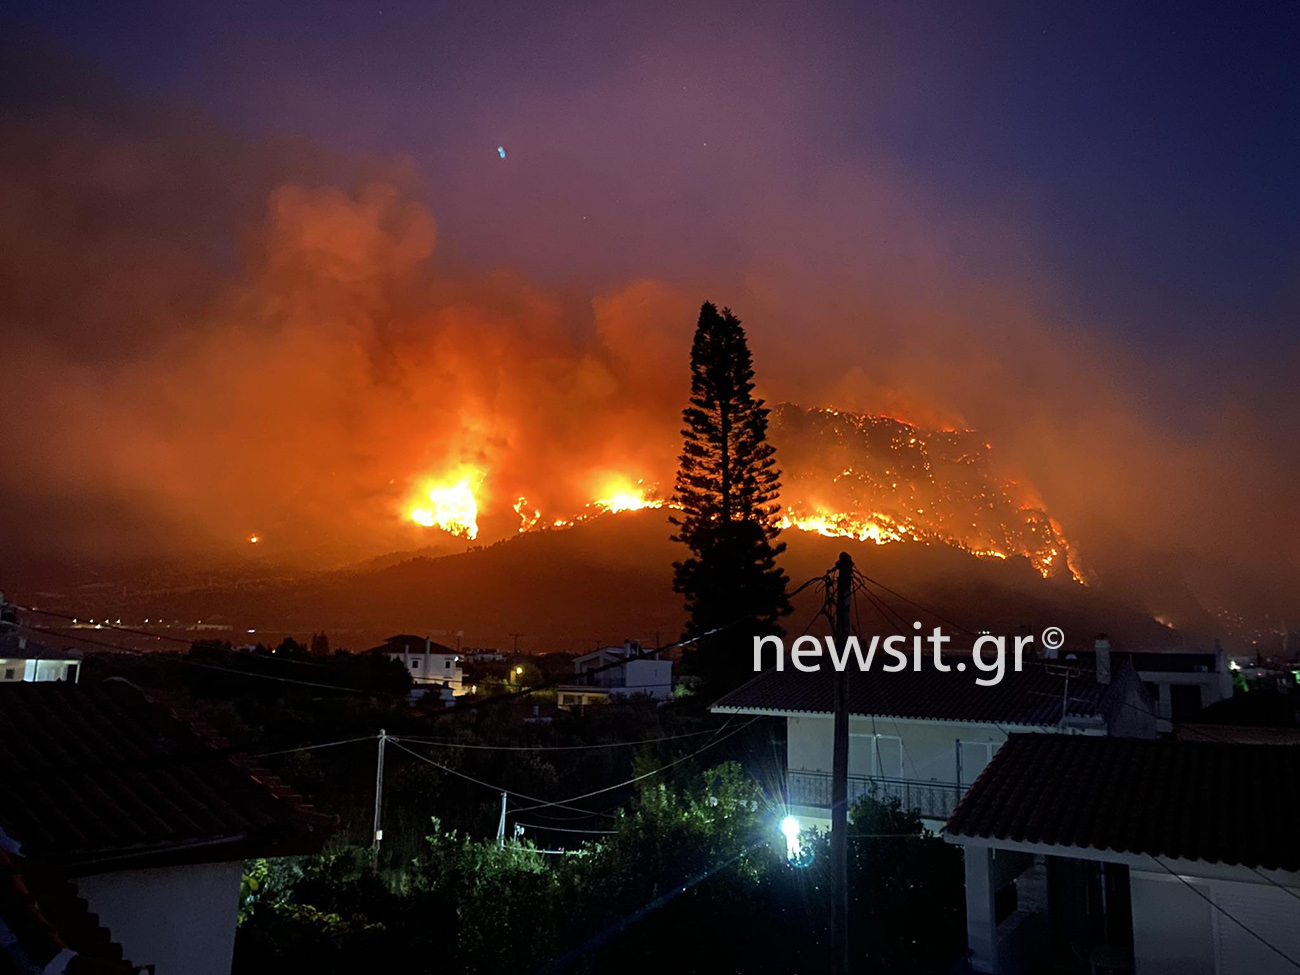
x,y
696,873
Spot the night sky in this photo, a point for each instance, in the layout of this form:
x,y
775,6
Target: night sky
x,y
1074,229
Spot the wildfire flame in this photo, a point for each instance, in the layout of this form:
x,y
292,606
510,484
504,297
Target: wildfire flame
x,y
527,520
452,508
620,494
875,527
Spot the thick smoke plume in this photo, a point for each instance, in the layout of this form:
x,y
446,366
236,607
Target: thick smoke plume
x,y
208,336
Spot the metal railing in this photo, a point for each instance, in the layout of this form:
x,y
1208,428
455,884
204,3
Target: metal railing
x,y
933,800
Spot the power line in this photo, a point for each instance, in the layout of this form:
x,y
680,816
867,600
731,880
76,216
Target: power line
x,y
562,829
565,803
1281,887
914,603
311,748
397,743
184,641
1224,911
195,663
442,743
645,775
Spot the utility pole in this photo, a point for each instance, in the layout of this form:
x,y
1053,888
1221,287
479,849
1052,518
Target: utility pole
x,y
501,824
379,799
840,775
516,636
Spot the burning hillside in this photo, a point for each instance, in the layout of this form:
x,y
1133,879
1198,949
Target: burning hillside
x,y
871,478
876,478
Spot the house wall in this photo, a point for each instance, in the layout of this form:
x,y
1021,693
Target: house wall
x,y
924,751
433,668
654,677
1176,929
179,919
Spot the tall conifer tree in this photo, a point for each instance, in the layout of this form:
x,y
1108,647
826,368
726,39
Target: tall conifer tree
x,y
727,489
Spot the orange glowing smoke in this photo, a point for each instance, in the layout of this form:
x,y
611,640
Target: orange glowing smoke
x,y
451,507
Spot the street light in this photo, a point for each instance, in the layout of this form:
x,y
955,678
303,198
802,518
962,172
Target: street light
x,y
790,830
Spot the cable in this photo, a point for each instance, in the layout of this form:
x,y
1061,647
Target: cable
x,y
913,602
156,636
1275,883
195,663
561,829
1222,910
106,625
397,743
556,748
309,748
646,775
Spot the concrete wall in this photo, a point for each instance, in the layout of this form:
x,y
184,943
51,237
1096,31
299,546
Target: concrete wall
x,y
924,751
179,919
1176,929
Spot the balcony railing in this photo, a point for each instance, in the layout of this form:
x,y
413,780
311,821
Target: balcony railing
x,y
933,800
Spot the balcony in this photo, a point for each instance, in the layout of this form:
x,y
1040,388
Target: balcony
x,y
933,800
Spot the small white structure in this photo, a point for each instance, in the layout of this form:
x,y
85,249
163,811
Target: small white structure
x,y
26,660
617,672
432,666
1132,856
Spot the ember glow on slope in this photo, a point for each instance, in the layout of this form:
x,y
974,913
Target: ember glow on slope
x,y
961,520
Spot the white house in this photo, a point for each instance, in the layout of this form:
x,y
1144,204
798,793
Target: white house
x,y
26,660
925,736
150,820
432,666
614,672
1125,855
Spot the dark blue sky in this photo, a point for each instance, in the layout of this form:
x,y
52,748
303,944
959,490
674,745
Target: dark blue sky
x,y
1146,153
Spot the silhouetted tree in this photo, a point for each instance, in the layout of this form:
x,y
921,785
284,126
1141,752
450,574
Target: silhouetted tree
x,y
727,489
320,645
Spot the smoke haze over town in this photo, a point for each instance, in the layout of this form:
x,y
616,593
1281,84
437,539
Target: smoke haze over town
x,y
279,303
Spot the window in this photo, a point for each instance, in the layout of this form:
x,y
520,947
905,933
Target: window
x,y
9,673
415,664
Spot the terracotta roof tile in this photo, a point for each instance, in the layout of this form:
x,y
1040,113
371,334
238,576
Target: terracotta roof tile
x,y
99,776
1202,800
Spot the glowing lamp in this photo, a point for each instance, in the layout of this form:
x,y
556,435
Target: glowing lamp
x,y
790,830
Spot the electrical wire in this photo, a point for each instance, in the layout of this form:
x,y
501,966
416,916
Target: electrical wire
x,y
556,748
914,603
196,663
397,743
312,748
562,829
645,775
1226,913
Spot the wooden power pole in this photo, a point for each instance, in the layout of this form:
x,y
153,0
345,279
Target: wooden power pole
x,y
379,800
840,775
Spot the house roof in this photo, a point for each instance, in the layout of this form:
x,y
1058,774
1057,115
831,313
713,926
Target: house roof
x,y
99,777
1203,800
14,647
409,643
45,916
1033,697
